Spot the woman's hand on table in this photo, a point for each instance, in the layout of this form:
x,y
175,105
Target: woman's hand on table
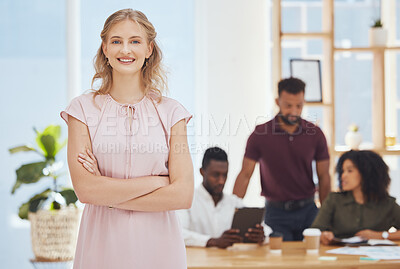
x,y
327,237
369,234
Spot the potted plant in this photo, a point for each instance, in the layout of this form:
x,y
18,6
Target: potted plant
x,y
378,35
53,214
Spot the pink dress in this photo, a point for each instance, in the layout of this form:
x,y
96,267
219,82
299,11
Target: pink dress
x,y
115,238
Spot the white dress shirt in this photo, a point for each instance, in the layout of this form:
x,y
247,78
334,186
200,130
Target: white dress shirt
x,y
204,220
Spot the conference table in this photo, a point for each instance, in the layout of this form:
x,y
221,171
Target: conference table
x,y
252,256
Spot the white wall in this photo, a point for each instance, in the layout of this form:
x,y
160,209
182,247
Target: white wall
x,y
232,87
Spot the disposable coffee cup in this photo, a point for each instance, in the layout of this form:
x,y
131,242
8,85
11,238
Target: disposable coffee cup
x,y
275,243
311,238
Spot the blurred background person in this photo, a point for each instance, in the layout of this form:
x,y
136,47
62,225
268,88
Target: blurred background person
x,y
208,222
363,207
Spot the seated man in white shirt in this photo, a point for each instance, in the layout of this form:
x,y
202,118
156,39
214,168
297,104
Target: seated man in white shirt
x,y
208,222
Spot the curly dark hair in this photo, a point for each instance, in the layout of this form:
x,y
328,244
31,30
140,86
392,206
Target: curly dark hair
x,y
214,153
291,85
374,173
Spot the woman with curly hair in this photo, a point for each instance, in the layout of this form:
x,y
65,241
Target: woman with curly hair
x,y
363,207
128,155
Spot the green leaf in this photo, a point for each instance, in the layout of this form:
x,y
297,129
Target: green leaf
x,y
39,143
33,204
21,148
48,141
49,144
69,196
377,23
16,186
43,195
55,206
29,173
23,211
53,130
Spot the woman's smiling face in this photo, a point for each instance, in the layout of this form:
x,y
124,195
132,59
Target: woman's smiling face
x,y
126,47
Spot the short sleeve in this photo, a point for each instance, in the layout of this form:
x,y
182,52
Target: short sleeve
x,y
178,113
321,151
252,148
74,109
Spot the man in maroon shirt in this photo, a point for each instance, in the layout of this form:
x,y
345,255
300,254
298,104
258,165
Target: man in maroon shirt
x,y
285,148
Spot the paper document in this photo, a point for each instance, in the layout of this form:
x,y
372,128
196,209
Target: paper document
x,y
353,240
356,240
379,253
382,242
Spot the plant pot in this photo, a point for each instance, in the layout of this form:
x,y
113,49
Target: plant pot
x,y
353,139
378,37
54,233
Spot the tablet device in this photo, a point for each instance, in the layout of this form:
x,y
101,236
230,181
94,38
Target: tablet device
x,y
247,217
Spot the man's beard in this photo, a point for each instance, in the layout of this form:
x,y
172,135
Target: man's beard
x,y
287,121
211,190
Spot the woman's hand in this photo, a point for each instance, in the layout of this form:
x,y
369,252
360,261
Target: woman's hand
x,y
89,162
369,234
326,237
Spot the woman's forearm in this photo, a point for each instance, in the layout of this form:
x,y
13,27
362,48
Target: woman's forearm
x,y
96,189
178,195
101,190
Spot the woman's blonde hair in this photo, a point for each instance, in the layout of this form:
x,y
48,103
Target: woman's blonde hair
x,y
153,75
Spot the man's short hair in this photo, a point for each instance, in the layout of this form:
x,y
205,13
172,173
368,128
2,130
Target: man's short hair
x,y
214,153
291,85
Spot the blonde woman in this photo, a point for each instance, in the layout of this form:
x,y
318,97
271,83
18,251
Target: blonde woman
x,y
128,155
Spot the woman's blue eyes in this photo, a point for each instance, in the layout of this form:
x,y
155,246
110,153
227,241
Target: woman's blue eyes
x,y
118,42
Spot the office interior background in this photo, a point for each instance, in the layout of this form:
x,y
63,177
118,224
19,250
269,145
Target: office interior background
x,y
219,57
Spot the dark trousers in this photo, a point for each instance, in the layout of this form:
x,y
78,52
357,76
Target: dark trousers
x,y
290,223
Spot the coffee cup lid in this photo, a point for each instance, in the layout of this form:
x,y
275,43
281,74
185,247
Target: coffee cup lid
x,y
311,232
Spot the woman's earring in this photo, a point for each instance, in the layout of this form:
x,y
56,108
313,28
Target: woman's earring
x,y
108,62
146,60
